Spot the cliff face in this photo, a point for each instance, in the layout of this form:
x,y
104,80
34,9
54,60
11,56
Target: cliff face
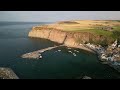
x,y
39,33
71,39
53,35
57,36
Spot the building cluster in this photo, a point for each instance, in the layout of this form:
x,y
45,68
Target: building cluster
x,y
109,54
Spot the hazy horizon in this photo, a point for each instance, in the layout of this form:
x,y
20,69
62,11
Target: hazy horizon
x,y
47,21
54,16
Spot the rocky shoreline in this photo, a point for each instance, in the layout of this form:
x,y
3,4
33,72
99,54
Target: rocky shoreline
x,y
38,54
106,56
102,53
7,73
81,40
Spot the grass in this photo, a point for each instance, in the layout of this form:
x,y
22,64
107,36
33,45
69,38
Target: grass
x,y
116,28
100,32
91,30
109,30
91,26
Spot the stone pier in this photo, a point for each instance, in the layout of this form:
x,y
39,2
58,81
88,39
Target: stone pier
x,y
37,54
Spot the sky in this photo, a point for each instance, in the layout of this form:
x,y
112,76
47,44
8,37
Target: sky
x,y
54,16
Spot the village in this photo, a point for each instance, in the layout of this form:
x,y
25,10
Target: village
x,y
110,55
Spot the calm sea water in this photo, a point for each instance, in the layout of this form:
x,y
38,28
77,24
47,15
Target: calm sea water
x,y
14,42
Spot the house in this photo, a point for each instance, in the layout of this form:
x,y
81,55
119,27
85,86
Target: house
x,y
114,44
118,46
103,56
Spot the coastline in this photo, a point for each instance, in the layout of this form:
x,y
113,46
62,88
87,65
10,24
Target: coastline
x,y
76,40
107,60
89,49
37,54
83,48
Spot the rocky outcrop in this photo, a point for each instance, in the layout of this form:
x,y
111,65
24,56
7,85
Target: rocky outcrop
x,y
7,73
86,77
51,34
39,33
71,40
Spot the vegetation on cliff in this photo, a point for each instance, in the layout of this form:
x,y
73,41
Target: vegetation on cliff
x,y
84,31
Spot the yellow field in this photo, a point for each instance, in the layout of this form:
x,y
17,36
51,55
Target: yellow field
x,y
84,24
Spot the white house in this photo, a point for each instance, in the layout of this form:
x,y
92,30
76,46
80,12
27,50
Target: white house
x,y
118,46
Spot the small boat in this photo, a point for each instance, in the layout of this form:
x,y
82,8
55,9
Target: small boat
x,y
59,50
41,51
55,51
74,54
69,48
76,51
40,56
70,51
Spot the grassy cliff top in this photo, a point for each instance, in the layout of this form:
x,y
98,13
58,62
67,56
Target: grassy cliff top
x,y
84,24
105,31
109,28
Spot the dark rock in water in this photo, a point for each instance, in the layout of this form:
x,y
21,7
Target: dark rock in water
x,y
86,77
1,78
80,77
105,62
7,73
